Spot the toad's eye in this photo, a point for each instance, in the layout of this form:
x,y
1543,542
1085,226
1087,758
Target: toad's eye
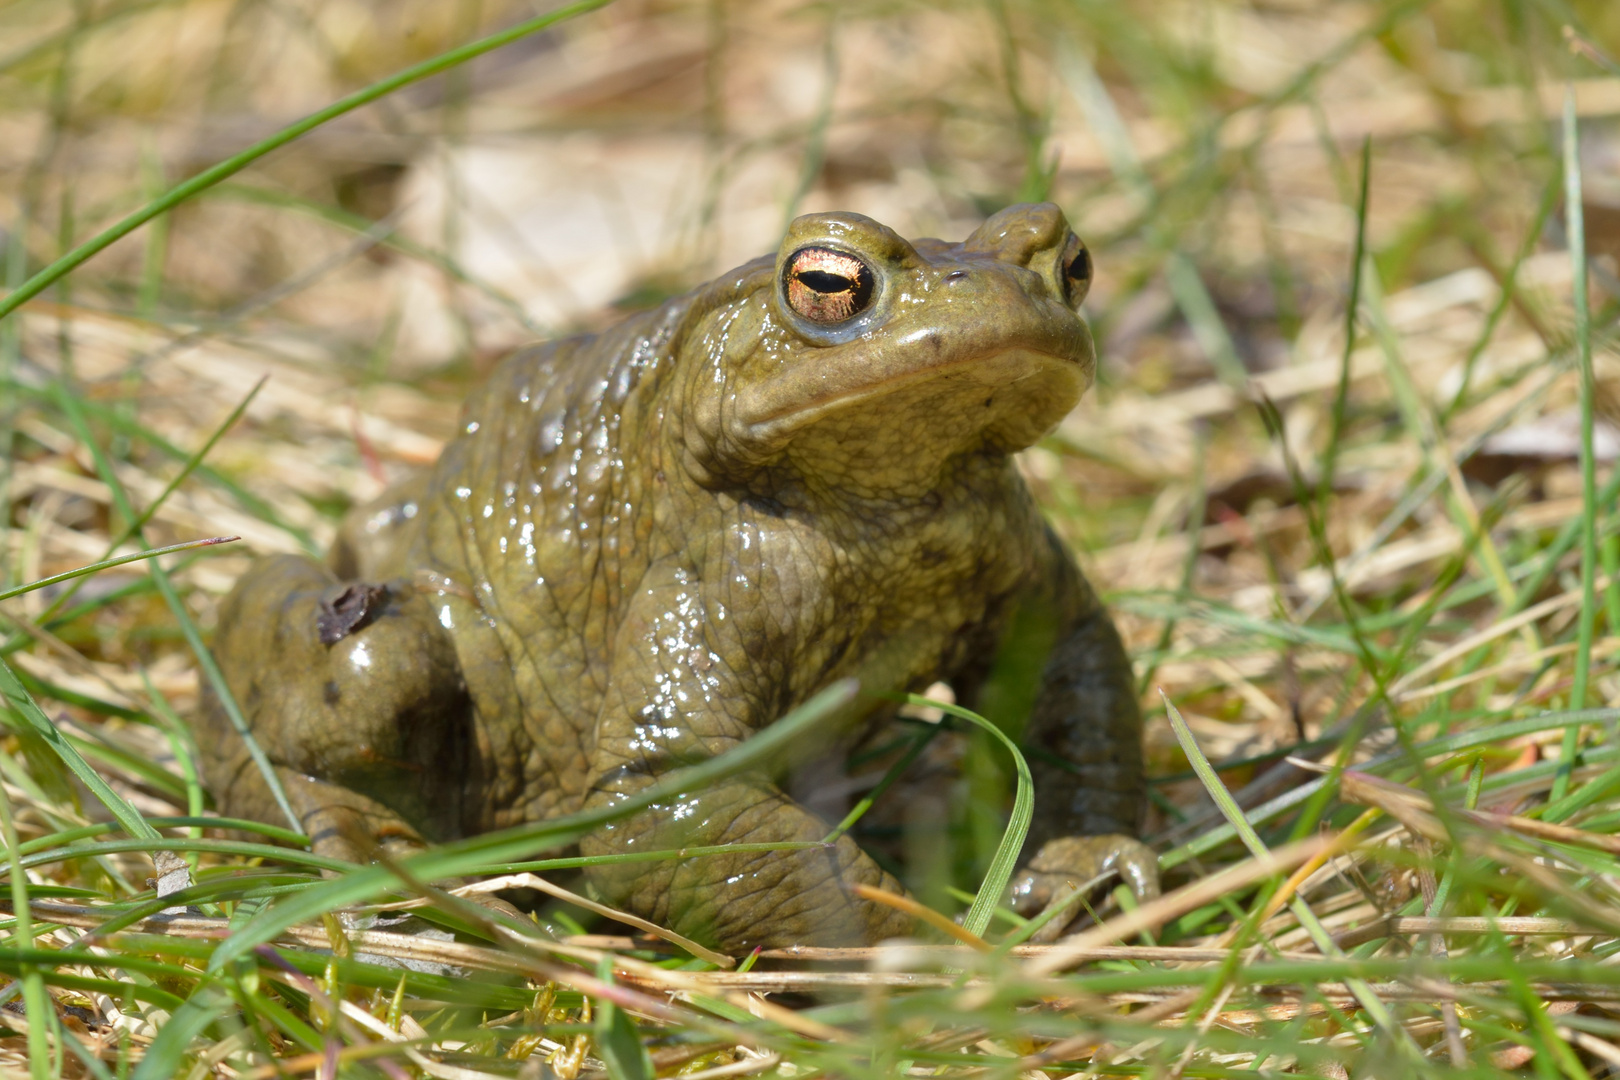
x,y
1076,266
826,286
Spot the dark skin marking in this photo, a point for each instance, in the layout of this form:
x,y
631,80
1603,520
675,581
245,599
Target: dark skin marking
x,y
350,610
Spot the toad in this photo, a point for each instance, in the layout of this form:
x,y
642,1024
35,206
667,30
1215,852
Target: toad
x,y
647,544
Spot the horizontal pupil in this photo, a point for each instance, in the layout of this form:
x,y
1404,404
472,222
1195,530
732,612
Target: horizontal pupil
x,y
823,282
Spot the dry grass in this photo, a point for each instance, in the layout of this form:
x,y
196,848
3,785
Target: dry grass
x,y
1395,578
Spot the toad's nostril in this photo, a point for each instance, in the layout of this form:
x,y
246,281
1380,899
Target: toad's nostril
x,y
956,275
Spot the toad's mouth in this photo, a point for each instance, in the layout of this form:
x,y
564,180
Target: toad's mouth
x,y
1055,377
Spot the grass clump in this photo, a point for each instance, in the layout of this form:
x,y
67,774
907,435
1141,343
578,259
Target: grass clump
x,y
1348,477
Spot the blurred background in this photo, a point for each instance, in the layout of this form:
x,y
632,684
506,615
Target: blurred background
x,y
1208,150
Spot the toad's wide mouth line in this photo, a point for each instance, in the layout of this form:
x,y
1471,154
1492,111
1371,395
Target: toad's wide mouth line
x,y
808,409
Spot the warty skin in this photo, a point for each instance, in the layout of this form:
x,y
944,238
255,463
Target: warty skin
x,y
650,543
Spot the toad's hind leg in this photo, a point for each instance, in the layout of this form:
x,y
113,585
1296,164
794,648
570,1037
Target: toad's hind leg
x,y
354,694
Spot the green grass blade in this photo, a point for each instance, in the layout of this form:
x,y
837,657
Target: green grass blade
x,y
1005,860
15,271
1492,734
101,828
182,746
1352,312
617,1042
23,705
163,1057
107,564
242,848
1213,787
1233,813
237,162
35,999
69,404
1575,227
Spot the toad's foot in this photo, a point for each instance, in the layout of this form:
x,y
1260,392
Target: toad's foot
x,y
1080,862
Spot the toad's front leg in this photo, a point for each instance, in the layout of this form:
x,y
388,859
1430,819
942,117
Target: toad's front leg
x,y
1089,785
682,691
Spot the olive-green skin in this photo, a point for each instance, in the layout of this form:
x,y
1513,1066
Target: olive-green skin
x,y
648,544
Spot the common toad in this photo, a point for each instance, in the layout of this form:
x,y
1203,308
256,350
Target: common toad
x,y
649,543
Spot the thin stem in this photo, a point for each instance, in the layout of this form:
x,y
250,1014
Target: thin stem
x,y
1576,228
1330,456
107,564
